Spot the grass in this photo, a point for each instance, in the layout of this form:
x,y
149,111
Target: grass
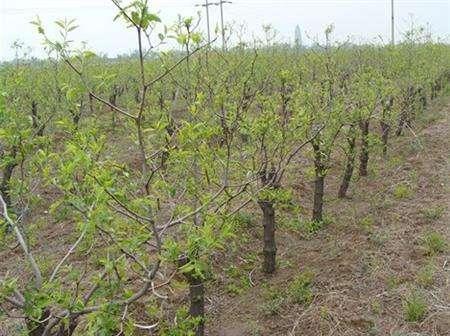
x,y
306,226
415,307
239,281
367,224
402,191
300,289
434,243
425,276
274,300
433,213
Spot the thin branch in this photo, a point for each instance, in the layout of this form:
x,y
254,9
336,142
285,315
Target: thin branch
x,y
23,244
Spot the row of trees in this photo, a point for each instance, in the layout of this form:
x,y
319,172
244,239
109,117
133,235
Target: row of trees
x,y
150,160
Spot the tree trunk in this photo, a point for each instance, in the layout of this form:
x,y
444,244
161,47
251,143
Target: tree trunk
x,y
407,113
197,303
319,184
35,120
113,100
196,296
348,172
422,98
385,128
270,248
91,104
364,156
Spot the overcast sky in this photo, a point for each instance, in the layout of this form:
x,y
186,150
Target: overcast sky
x,y
366,20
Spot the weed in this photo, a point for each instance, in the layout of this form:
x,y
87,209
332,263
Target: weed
x,y
311,227
375,307
434,243
402,191
254,329
243,219
233,289
433,213
300,290
239,281
274,300
415,307
425,276
367,224
393,282
379,238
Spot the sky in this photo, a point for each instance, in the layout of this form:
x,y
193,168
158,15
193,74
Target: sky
x,y
362,20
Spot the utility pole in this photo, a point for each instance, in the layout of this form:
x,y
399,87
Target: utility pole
x,y
392,23
224,42
206,5
298,37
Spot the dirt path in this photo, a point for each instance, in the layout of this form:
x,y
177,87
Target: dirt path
x,y
370,260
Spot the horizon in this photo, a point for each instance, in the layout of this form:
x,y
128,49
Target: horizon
x,y
310,16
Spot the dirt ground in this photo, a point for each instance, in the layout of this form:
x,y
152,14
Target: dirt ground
x,y
368,261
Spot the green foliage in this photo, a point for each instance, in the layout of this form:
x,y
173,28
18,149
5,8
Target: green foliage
x,y
367,223
300,289
402,191
426,275
415,307
273,301
238,280
433,213
433,243
185,325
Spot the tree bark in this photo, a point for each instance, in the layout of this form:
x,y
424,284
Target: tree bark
x,y
196,296
385,128
364,156
348,172
269,249
319,182
197,303
319,185
35,120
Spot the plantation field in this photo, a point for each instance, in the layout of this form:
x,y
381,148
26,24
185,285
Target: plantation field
x,y
368,263
260,189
